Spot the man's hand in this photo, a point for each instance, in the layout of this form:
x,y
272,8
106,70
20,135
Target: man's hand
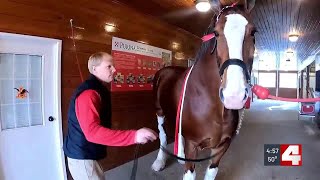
x,y
144,135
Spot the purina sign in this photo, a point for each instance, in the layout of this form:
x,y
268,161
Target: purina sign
x,y
136,64
124,45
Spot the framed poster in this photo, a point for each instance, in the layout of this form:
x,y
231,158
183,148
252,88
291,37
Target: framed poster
x,y
136,64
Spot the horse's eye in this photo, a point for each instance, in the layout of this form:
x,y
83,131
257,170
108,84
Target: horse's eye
x,y
253,32
216,33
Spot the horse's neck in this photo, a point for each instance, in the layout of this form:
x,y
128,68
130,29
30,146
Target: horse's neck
x,y
206,71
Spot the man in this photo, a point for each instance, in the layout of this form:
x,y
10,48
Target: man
x,y
89,122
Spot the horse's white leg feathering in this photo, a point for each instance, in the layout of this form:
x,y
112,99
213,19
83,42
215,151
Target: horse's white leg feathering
x,y
189,175
160,162
211,173
181,148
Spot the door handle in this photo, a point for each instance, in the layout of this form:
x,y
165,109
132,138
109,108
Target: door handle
x,y
51,118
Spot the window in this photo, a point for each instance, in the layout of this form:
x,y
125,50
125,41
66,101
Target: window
x,y
18,72
267,79
288,80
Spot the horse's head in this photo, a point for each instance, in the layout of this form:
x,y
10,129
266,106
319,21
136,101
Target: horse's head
x,y
234,33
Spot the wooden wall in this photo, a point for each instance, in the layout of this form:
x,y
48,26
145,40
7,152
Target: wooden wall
x,y
51,18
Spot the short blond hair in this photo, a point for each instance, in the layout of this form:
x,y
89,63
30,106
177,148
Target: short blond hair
x,y
96,59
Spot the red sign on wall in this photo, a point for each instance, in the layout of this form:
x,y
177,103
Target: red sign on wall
x,y
136,64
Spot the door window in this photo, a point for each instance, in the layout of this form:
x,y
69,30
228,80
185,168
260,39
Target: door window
x,y
20,90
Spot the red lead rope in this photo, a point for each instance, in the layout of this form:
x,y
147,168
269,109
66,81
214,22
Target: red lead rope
x,y
263,93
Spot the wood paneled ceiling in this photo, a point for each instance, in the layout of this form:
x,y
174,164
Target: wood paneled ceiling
x,y
275,19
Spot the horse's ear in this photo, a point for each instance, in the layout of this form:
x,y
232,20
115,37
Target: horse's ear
x,y
249,5
216,5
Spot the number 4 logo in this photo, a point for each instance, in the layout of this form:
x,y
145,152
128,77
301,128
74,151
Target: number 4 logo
x,y
291,154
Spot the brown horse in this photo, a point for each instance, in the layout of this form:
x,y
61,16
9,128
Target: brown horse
x,y
216,90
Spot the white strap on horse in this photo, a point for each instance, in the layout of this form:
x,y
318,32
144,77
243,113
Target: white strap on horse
x,y
180,137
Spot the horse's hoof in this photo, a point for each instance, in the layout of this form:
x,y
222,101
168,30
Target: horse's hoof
x,y
158,165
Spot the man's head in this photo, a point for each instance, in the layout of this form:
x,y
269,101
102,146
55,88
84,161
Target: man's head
x,y
100,64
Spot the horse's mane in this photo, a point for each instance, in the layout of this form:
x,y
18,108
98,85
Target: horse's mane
x,y
205,45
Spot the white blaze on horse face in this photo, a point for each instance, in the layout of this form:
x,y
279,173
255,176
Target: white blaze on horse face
x,y
235,89
234,31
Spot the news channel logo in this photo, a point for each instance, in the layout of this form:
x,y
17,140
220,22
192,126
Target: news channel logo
x,y
283,155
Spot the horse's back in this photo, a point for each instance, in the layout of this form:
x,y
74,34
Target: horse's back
x,y
164,84
169,73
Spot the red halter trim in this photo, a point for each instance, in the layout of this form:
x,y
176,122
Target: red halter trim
x,y
235,3
208,37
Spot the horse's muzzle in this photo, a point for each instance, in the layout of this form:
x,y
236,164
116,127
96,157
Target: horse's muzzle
x,y
234,99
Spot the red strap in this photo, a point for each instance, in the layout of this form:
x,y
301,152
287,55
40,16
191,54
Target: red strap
x,y
176,136
208,37
235,3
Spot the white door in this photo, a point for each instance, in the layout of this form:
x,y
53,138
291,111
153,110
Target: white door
x,y
30,124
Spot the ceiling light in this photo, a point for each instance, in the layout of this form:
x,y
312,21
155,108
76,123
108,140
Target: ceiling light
x,y
289,53
203,5
175,45
293,37
110,27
